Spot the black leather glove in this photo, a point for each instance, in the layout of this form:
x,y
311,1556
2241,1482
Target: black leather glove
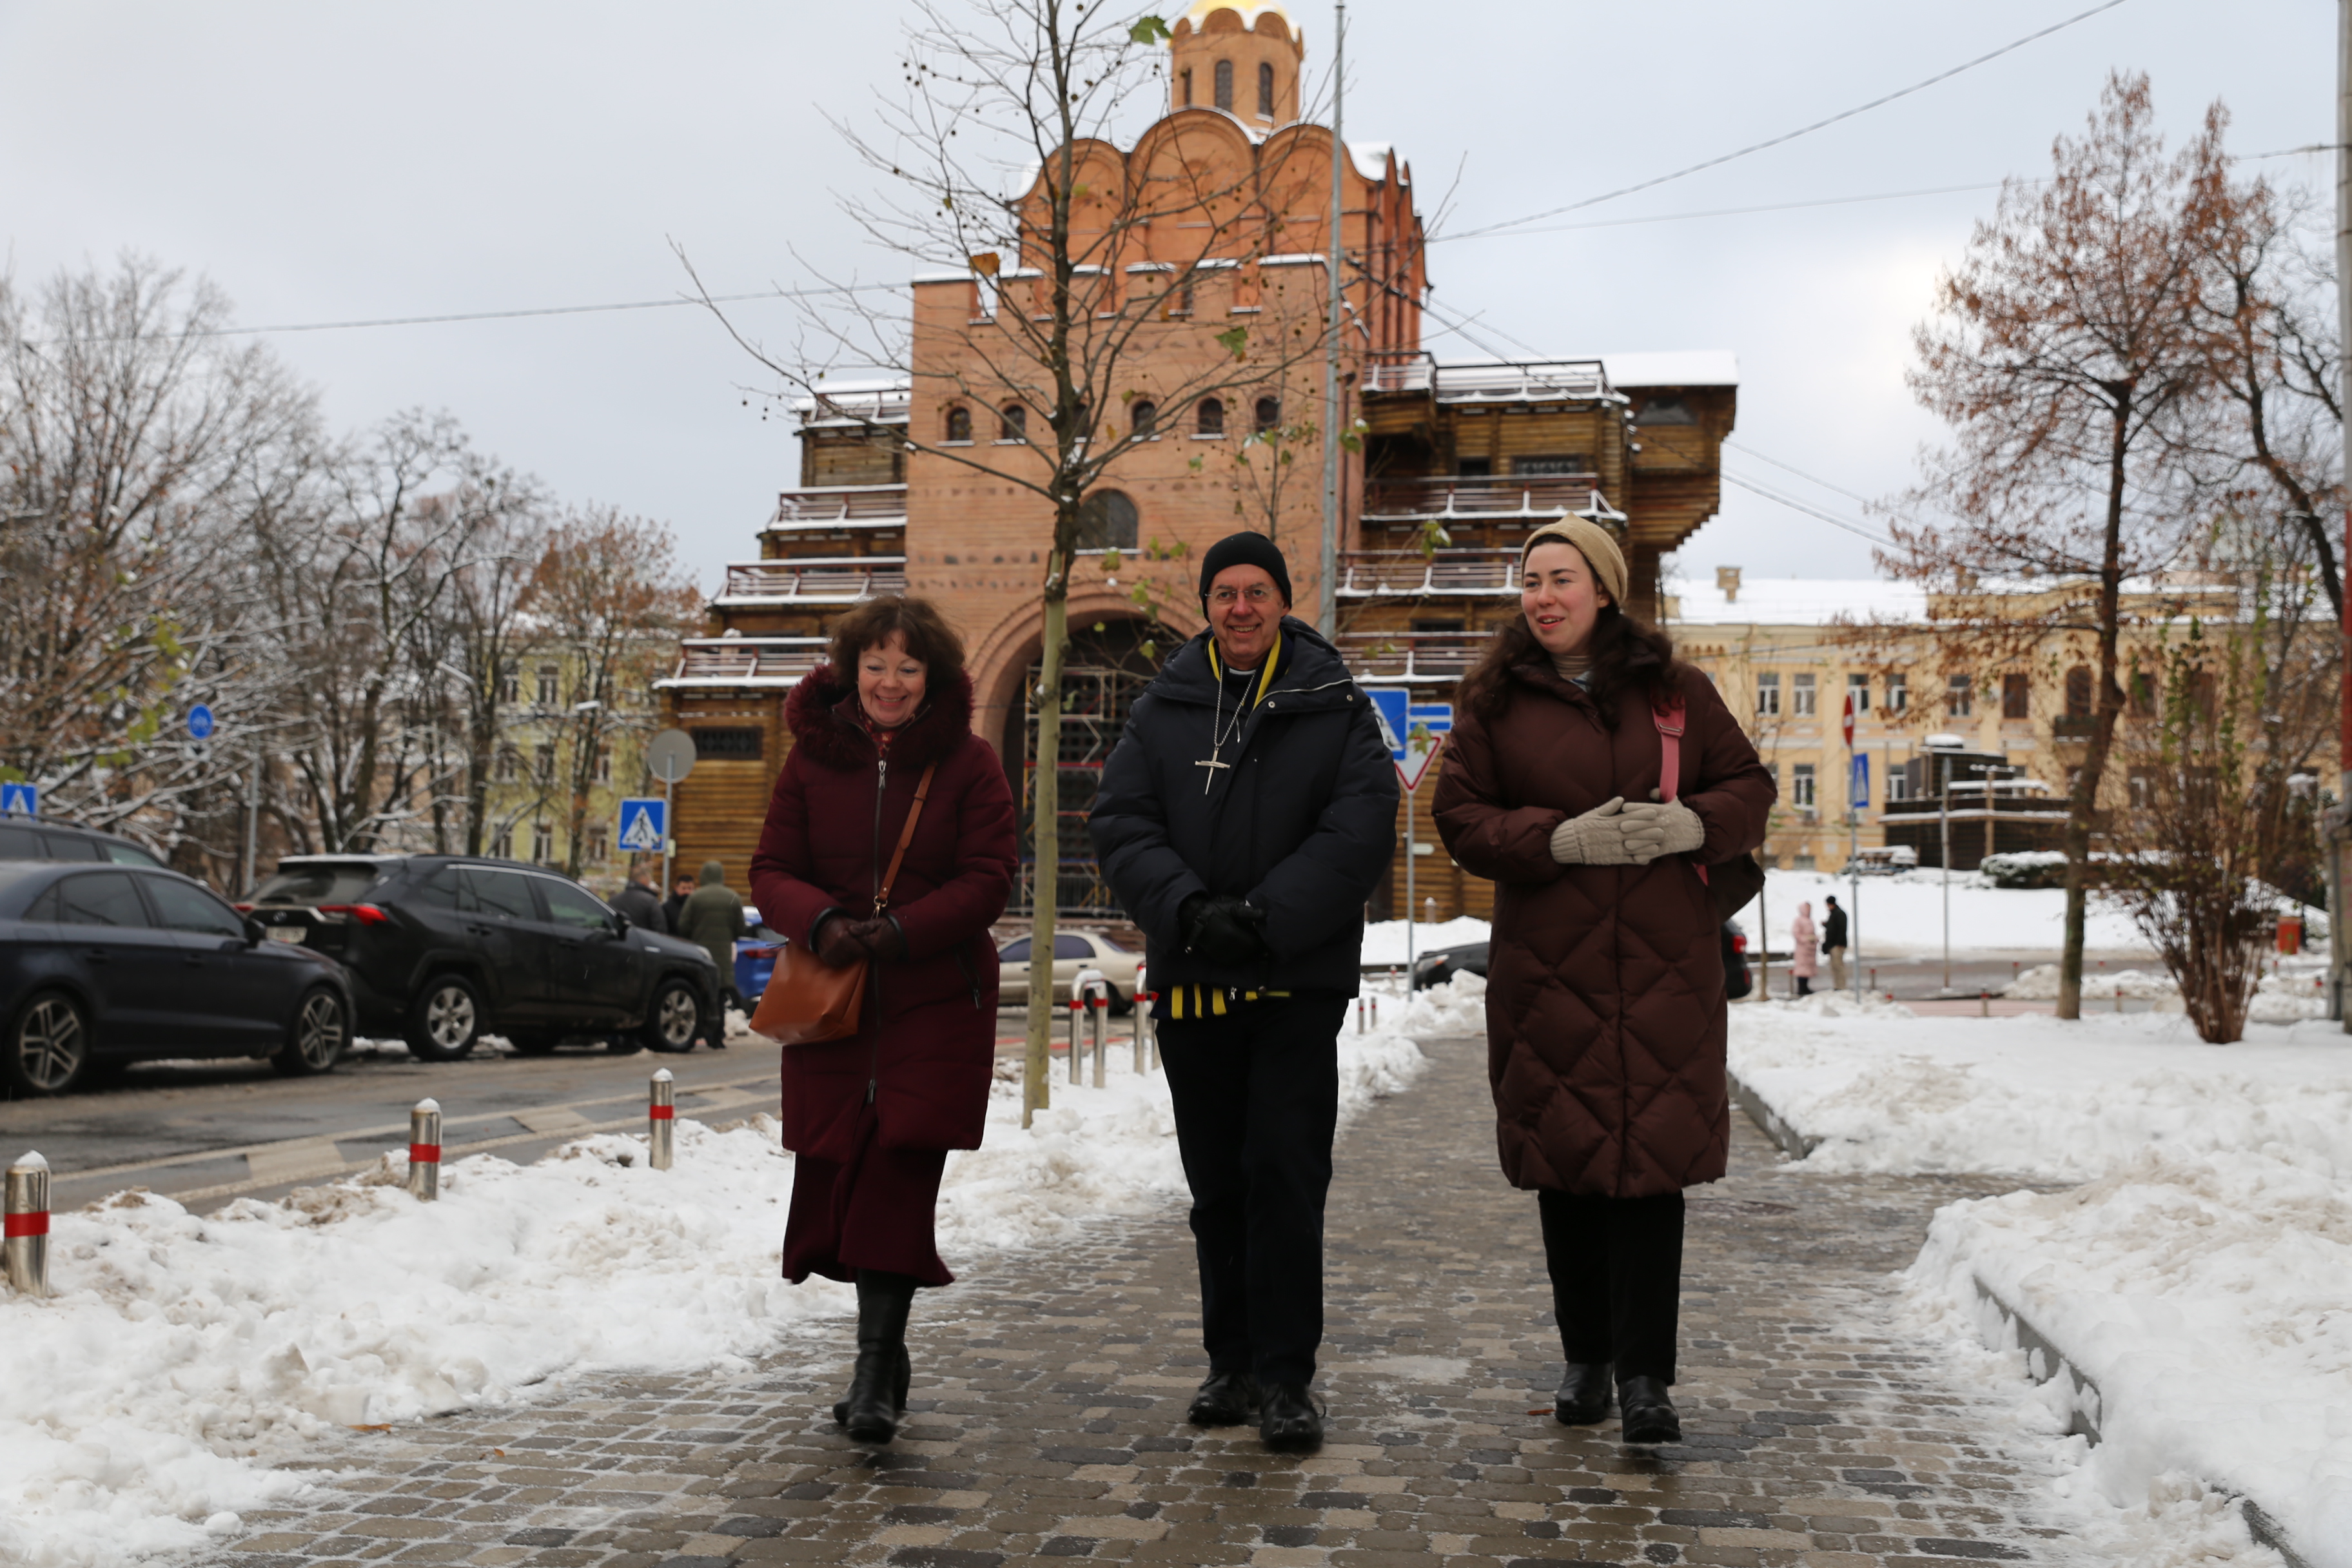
x,y
1226,930
882,937
837,944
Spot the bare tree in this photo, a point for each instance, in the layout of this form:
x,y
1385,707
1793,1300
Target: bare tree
x,y
2067,357
1081,268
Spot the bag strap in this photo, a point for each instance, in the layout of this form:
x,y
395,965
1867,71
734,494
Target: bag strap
x,y
905,836
1669,721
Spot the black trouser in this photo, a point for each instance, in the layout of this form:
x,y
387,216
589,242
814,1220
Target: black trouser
x,y
1616,1270
1257,1100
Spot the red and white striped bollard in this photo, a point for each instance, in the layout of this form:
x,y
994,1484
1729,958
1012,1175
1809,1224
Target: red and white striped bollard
x,y
661,1121
25,1247
425,1152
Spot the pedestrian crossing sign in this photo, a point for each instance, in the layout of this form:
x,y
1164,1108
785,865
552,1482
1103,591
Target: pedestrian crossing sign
x,y
644,824
20,800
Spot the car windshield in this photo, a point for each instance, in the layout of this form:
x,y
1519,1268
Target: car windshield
x,y
319,882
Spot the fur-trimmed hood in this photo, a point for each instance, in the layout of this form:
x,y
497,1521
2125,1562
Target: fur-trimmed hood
x,y
823,715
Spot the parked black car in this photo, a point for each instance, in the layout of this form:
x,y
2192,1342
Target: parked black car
x,y
1441,965
445,949
31,838
106,964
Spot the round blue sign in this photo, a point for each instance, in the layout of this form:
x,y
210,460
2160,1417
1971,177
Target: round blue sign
x,y
199,721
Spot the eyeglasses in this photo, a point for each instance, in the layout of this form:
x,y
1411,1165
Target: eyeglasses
x,y
1257,593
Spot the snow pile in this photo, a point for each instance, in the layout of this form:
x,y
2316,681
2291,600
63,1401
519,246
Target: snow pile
x,y
1384,941
2279,997
145,1404
1904,914
1831,1004
2203,1297
1458,1007
2048,1100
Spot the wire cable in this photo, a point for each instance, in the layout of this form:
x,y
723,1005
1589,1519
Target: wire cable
x,y
1801,130
1810,511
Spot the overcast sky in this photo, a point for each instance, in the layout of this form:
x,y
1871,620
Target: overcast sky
x,y
327,163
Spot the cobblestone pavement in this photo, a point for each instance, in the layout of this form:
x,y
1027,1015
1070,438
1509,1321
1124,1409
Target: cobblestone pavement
x,y
1050,1391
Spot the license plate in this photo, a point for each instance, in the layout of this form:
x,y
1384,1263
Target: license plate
x,y
289,933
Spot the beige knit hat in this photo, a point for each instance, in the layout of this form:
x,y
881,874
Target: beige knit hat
x,y
1592,542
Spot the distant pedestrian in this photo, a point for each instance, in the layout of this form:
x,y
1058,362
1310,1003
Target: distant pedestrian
x,y
1833,942
1605,1009
871,1117
674,907
713,916
1804,944
642,904
1245,846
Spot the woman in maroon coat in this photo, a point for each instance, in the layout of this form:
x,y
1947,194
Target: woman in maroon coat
x,y
1605,999
872,1117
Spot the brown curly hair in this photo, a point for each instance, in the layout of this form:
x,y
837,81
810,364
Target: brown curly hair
x,y
1629,655
928,638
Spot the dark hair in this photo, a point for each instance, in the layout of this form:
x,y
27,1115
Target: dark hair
x,y
929,638
1629,655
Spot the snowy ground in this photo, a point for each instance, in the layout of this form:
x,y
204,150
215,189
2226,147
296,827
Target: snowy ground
x,y
2197,1278
147,1402
2294,991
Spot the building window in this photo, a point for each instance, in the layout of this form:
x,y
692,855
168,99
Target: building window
x,y
1898,694
604,765
1563,463
2078,692
1213,417
1225,79
2143,788
1858,687
1268,414
543,764
2016,696
1666,409
1266,92
2140,688
543,842
510,683
1184,82
600,845
547,684
508,766
502,843
1767,694
1014,424
1802,863
731,745
1801,698
1147,419
1959,696
1473,468
959,423
1801,786
1107,520
1898,784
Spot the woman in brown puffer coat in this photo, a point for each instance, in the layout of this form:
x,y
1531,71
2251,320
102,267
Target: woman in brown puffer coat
x,y
1604,1001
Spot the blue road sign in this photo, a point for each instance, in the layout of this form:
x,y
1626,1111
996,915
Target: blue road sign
x,y
1859,796
1437,718
1392,706
644,824
20,800
200,722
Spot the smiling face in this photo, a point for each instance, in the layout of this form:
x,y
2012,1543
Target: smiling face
x,y
1244,609
1560,597
889,682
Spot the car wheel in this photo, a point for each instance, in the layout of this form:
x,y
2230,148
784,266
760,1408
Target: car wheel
x,y
446,1019
321,1033
675,1020
48,1046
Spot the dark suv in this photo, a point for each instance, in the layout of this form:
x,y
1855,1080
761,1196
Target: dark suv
x,y
443,949
31,838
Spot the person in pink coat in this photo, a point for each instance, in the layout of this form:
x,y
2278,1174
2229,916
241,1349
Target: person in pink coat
x,y
1806,960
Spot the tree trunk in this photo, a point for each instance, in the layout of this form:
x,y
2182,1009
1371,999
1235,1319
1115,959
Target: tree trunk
x,y
2083,800
1045,897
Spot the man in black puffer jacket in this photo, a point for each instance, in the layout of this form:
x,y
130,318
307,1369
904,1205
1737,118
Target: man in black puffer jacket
x,y
1247,814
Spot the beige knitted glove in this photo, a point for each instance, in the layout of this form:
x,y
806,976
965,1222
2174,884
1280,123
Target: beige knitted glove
x,y
1651,830
1595,838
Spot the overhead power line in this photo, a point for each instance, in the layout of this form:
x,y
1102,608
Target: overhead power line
x,y
1809,510
1721,159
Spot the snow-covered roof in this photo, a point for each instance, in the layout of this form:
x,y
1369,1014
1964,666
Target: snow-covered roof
x,y
1794,601
1684,367
1371,158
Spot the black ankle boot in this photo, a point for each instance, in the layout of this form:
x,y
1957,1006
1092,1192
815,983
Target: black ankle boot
x,y
1649,1410
1583,1396
878,1387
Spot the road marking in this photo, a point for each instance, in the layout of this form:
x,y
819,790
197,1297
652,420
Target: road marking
x,y
551,1119
295,1158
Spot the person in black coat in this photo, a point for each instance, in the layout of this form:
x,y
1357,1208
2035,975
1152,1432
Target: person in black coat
x,y
1833,943
1247,814
642,905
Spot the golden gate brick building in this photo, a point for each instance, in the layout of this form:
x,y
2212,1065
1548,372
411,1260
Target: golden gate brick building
x,y
1456,463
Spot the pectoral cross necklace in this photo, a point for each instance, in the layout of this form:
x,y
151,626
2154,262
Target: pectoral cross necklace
x,y
1219,734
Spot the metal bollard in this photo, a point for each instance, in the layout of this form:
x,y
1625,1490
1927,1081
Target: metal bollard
x,y
1141,1011
2119,998
1376,1009
661,1121
1359,1015
1154,1000
25,1250
425,1152
1077,1053
1984,1004
1098,1004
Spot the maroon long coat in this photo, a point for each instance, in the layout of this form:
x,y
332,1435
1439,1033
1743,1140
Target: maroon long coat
x,y
927,1040
1604,1000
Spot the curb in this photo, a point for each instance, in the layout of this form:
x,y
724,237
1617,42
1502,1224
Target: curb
x,y
2043,1360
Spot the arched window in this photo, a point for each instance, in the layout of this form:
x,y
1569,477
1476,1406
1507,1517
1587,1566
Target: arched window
x,y
959,423
1225,86
1266,92
1268,414
1213,417
1015,427
1147,418
2078,692
1184,82
1107,520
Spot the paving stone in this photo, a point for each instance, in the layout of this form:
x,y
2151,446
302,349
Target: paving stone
x,y
1047,1412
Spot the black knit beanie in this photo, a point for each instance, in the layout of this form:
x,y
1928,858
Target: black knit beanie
x,y
1246,550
